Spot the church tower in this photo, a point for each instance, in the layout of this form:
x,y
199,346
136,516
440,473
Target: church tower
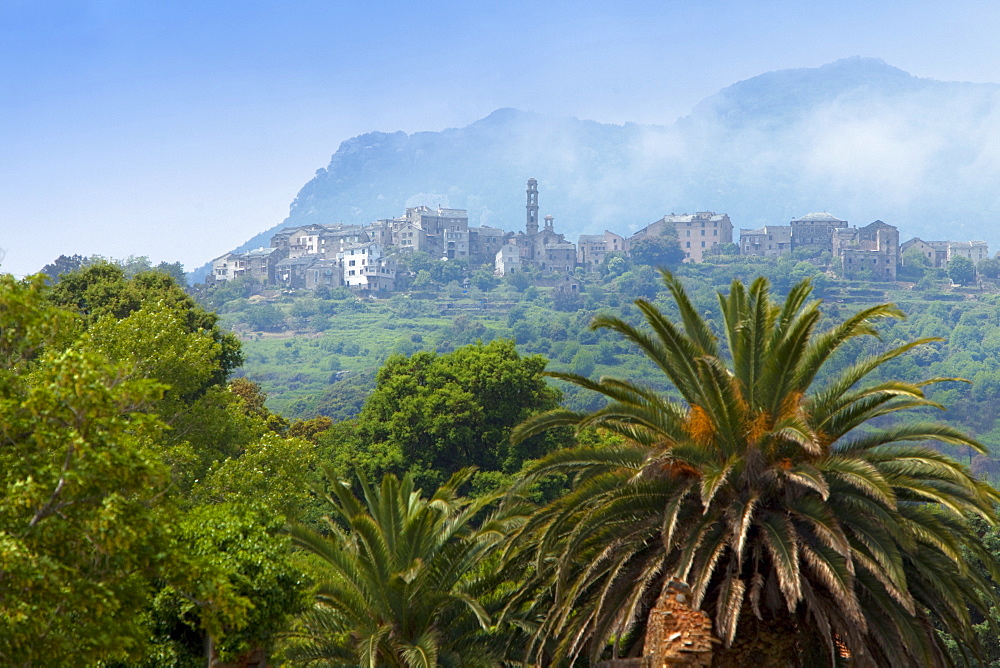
x,y
531,227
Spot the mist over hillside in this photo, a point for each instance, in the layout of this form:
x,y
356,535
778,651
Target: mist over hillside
x,y
858,137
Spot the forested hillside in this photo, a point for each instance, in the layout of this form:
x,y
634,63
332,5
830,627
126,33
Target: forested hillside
x,y
317,354
320,477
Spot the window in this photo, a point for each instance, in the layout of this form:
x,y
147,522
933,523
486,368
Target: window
x,y
687,244
703,233
702,244
688,233
715,233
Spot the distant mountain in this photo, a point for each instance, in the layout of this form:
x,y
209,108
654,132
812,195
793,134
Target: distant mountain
x,y
858,138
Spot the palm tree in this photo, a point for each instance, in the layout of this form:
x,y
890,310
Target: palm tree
x,y
403,579
809,524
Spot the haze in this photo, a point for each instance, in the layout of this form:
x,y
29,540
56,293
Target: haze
x,y
178,130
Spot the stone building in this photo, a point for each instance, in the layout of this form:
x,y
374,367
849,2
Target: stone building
x,y
484,242
227,267
381,232
696,232
321,240
299,240
291,271
592,249
938,253
874,248
334,238
676,633
977,251
545,248
365,267
326,272
259,263
507,260
445,232
767,241
411,237
814,232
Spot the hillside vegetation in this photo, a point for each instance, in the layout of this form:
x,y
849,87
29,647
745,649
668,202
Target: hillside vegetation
x,y
432,495
316,354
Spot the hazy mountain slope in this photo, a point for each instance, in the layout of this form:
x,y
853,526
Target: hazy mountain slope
x,y
858,138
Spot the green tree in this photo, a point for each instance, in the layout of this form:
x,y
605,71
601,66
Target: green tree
x,y
916,263
104,420
175,270
661,251
519,280
484,280
727,249
246,592
102,289
63,265
435,414
801,516
961,270
614,265
265,318
567,300
990,268
81,528
403,579
422,280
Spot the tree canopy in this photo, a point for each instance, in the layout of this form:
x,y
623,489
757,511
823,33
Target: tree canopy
x,y
661,251
434,414
962,270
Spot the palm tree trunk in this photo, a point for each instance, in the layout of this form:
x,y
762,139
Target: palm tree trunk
x,y
761,644
677,634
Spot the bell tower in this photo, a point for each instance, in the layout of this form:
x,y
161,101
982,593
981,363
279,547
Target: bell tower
x,y
531,227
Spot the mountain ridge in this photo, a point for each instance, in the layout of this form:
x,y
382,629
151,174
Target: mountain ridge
x,y
858,137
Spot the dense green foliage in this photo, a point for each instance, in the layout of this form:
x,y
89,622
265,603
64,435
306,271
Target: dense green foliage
x,y
146,491
431,415
113,408
80,527
661,251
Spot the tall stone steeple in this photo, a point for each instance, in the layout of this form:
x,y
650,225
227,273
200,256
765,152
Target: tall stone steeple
x,y
531,227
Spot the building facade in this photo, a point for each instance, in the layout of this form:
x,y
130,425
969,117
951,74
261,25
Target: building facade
x,y
546,249
366,268
592,249
507,260
767,241
260,264
872,250
697,233
814,232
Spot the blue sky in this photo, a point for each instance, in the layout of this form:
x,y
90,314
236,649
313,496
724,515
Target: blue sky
x,y
178,129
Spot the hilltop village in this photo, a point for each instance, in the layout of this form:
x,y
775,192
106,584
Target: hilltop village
x,y
364,257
